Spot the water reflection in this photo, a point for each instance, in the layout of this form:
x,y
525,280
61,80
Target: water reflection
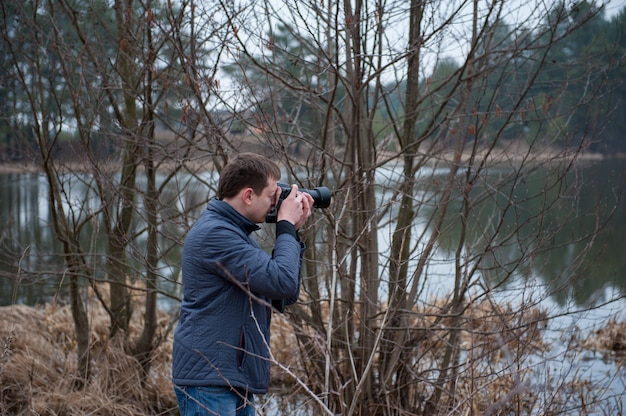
x,y
566,231
30,250
32,264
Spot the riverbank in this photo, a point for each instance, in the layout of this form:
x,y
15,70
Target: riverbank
x,y
513,155
38,366
38,362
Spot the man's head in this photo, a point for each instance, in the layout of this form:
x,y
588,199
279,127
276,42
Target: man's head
x,y
248,183
246,170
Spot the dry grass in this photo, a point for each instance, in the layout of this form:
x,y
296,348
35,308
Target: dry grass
x,y
38,368
499,344
38,358
610,340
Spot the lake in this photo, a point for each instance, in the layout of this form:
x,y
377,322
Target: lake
x,y
28,244
29,249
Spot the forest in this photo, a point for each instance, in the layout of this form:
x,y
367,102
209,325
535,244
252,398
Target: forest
x,y
583,70
444,278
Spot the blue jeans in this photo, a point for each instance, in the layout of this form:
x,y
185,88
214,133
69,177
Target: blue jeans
x,y
222,401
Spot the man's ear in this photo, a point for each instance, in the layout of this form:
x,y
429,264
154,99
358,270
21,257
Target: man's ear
x,y
246,196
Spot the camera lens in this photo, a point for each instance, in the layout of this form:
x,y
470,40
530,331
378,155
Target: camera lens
x,y
321,196
321,199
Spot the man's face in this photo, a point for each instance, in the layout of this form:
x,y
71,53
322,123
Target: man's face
x,y
262,204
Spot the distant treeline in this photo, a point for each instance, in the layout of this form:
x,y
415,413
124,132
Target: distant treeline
x,y
585,70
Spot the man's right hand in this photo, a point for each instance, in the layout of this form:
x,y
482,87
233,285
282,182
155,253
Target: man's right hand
x,y
296,208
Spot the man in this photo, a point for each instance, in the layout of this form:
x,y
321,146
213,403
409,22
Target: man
x,y
220,354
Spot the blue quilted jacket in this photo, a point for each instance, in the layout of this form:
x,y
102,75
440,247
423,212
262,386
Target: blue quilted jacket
x,y
222,337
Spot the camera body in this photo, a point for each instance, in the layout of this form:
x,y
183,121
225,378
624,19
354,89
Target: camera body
x,y
321,199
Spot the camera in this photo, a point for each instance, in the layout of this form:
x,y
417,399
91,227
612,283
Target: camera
x,y
321,199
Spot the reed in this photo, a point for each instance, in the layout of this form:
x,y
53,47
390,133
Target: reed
x,y
38,367
38,358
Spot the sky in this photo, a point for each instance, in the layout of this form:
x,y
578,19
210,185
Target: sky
x,y
614,6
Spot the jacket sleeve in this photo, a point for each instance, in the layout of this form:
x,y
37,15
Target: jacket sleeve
x,y
235,255
285,227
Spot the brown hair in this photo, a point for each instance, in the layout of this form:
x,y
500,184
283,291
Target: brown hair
x,y
246,170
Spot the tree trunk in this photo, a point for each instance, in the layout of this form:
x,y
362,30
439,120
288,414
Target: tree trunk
x,y
118,241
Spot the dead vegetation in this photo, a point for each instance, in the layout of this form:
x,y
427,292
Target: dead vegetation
x,y
498,354
37,359
609,340
38,367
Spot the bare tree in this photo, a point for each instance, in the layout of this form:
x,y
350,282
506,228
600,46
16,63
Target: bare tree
x,y
122,82
441,128
352,91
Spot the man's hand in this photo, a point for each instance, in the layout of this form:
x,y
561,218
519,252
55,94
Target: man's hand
x,y
296,208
